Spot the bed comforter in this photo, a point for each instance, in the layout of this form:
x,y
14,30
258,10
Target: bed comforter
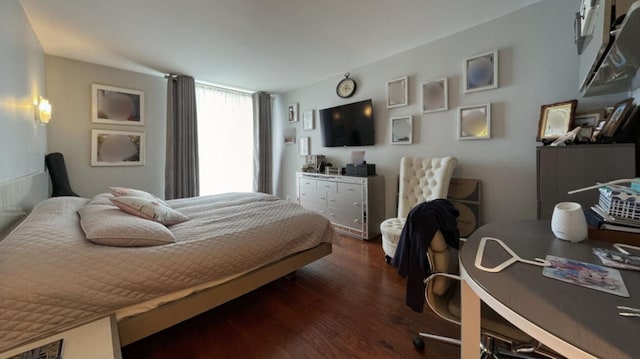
x,y
52,277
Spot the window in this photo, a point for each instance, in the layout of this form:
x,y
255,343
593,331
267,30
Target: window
x,y
225,140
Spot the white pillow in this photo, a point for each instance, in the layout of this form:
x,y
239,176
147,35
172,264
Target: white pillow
x,y
149,209
123,191
107,225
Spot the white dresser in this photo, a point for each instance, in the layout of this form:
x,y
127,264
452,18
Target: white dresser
x,y
355,205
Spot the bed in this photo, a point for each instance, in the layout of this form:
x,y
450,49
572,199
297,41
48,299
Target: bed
x,y
52,278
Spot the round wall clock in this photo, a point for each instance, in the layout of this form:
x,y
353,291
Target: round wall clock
x,y
346,87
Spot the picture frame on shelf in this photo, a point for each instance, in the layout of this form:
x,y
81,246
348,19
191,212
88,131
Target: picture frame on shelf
x,y
556,119
117,148
289,135
474,122
397,92
481,72
117,105
588,119
401,130
293,112
435,95
619,114
308,120
304,146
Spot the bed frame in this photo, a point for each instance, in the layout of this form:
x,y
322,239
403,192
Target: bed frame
x,y
142,325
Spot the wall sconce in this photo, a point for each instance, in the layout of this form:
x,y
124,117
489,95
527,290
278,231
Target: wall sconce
x,y
44,111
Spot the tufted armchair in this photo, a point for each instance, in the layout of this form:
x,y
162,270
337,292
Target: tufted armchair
x,y
421,179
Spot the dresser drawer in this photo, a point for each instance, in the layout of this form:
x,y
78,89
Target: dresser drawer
x,y
307,195
327,186
344,201
352,220
350,188
314,206
308,183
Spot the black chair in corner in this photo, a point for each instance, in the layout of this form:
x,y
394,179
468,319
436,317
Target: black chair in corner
x,y
58,173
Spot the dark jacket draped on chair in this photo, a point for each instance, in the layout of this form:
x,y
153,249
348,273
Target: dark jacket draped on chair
x,y
423,221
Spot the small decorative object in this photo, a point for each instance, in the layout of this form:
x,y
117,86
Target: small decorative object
x,y
566,138
115,105
620,112
117,148
401,130
555,120
346,87
435,96
397,92
587,121
289,135
357,157
474,122
293,113
585,134
307,120
43,112
304,146
568,222
481,72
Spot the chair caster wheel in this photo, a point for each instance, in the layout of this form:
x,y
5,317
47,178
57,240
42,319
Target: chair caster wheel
x,y
418,343
387,259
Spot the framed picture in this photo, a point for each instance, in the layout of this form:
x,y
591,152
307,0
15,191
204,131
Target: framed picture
x,y
115,105
293,113
620,112
474,122
556,119
289,136
435,96
397,92
307,120
401,128
588,119
481,72
117,148
585,134
304,146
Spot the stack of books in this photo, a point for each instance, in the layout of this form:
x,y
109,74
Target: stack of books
x,y
618,209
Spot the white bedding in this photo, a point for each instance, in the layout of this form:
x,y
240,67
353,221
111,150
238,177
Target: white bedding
x,y
52,277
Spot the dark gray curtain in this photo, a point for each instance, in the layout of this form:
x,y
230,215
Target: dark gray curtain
x,y
262,156
181,170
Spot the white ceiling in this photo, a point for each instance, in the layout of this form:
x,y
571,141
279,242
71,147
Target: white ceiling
x,y
270,45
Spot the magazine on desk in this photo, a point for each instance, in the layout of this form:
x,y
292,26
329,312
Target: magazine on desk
x,y
587,275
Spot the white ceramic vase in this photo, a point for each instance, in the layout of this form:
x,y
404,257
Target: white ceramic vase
x,y
568,222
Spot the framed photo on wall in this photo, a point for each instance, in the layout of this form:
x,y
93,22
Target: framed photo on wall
x,y
481,72
556,120
397,92
435,96
117,148
304,146
293,113
117,106
289,135
307,120
401,130
474,122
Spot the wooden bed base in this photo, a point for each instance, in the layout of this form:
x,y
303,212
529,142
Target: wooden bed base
x,y
142,325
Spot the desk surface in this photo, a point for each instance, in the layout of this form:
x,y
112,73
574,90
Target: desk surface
x,y
566,317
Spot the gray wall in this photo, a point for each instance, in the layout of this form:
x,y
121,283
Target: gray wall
x,y
69,88
22,74
538,65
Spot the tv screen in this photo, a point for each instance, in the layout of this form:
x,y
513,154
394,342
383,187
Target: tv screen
x,y
348,125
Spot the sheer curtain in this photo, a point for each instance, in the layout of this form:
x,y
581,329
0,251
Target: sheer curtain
x,y
225,132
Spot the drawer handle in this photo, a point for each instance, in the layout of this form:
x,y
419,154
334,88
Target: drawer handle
x,y
331,214
356,221
356,204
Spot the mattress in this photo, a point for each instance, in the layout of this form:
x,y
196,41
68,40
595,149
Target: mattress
x,y
52,278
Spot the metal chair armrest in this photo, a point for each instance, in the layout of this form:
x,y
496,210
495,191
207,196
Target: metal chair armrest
x,y
448,275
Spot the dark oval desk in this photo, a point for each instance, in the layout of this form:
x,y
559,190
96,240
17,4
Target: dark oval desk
x,y
574,321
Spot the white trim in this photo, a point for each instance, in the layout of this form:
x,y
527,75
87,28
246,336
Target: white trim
x,y
548,339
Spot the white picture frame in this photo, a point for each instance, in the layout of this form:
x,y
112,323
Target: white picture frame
x,y
397,92
474,122
117,148
308,120
480,72
435,95
293,112
304,146
289,135
401,130
117,105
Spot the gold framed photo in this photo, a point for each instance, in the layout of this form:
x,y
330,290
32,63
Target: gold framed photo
x,y
556,119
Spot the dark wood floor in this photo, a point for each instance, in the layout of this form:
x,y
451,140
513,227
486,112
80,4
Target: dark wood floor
x,y
347,305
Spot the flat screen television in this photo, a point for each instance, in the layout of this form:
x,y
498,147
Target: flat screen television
x,y
348,125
